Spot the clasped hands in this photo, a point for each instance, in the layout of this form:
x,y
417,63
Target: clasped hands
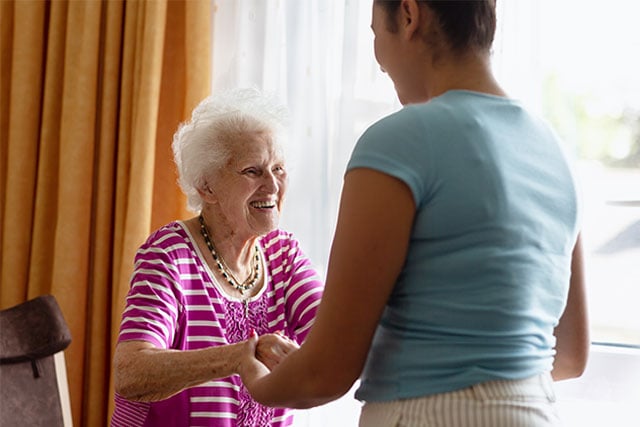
x,y
260,355
271,349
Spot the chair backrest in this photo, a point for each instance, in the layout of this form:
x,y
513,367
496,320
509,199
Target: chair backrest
x,y
32,337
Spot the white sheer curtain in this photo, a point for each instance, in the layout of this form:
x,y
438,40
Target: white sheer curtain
x,y
316,56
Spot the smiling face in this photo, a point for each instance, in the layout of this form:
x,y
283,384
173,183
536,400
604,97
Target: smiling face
x,y
248,192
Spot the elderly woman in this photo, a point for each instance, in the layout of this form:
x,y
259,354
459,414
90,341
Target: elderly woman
x,y
203,286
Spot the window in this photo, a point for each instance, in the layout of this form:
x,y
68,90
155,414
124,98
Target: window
x,y
590,92
575,63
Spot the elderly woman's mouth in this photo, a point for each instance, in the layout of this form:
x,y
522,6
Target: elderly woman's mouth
x,y
263,205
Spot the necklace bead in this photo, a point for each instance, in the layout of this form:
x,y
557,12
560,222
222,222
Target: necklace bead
x,y
251,281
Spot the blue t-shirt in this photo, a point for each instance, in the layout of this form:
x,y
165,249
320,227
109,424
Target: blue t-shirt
x,y
487,272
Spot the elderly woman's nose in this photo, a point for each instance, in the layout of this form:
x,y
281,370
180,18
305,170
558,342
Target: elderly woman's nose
x,y
270,182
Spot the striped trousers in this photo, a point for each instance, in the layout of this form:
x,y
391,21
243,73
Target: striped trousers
x,y
520,403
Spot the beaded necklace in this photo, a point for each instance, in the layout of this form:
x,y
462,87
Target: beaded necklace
x,y
224,270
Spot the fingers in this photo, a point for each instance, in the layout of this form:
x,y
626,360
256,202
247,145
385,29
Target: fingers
x,y
273,348
251,369
286,338
253,339
247,360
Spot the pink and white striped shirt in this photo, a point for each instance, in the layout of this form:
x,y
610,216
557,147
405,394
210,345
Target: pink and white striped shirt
x,y
174,303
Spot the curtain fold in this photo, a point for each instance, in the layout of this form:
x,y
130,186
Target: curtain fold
x,y
6,29
48,156
71,225
21,144
100,301
91,95
142,56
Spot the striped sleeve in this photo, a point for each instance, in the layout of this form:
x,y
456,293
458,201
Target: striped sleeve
x,y
302,284
153,303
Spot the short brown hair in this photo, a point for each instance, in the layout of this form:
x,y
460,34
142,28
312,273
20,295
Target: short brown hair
x,y
467,24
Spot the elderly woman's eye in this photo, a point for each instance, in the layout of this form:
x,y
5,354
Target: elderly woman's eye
x,y
279,169
250,171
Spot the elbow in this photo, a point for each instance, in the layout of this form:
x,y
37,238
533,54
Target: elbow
x,y
321,388
337,383
132,391
124,390
570,366
320,396
127,381
122,383
335,389
581,356
568,372
580,364
135,375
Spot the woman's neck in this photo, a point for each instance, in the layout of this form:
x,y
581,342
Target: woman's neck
x,y
469,72
236,251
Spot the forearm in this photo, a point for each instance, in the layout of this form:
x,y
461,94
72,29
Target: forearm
x,y
572,352
565,368
144,373
313,385
572,332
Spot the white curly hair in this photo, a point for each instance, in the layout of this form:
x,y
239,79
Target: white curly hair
x,y
201,144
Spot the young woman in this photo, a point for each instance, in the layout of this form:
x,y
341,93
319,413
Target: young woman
x,y
454,290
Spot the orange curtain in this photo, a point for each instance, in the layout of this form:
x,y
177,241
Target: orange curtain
x,y
91,93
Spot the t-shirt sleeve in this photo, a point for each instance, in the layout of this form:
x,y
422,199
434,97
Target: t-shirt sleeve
x,y
152,305
397,146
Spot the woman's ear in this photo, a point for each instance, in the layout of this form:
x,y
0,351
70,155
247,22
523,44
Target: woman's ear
x,y
206,193
412,17
409,17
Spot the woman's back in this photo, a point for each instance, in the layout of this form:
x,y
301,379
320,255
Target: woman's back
x,y
487,270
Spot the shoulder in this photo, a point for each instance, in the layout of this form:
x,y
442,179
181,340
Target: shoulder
x,y
291,269
404,131
166,236
281,248
163,259
170,240
277,240
401,122
283,253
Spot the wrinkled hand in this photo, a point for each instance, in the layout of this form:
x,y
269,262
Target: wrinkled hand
x,y
249,367
272,348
